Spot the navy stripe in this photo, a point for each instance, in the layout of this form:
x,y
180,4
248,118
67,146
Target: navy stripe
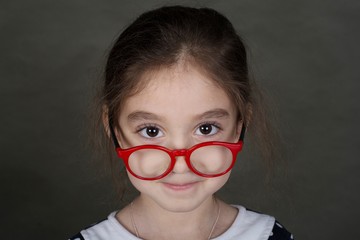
x,y
77,237
280,233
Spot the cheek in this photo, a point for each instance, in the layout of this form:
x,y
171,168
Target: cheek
x,y
137,183
142,186
218,182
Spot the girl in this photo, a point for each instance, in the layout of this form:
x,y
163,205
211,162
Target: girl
x,y
176,101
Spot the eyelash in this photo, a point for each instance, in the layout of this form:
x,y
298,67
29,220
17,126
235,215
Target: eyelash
x,y
213,124
145,126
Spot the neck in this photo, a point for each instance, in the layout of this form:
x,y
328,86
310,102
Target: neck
x,y
152,221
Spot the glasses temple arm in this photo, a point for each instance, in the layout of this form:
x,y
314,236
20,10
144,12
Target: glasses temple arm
x,y
242,134
113,135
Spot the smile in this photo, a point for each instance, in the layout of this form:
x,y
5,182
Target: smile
x,y
180,187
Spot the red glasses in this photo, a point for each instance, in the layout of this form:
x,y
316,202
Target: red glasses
x,y
153,162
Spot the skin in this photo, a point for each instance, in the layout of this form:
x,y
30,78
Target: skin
x,y
172,111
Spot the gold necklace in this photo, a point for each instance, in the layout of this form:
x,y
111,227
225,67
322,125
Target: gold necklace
x,y
210,234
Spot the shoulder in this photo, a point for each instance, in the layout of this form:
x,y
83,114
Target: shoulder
x,y
108,228
253,225
93,229
279,232
77,237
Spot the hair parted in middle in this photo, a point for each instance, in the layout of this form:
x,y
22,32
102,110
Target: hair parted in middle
x,y
167,36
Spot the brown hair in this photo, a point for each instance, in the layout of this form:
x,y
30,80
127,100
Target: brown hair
x,y
163,37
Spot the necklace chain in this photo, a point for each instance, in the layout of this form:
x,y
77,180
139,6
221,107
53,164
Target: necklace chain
x,y
217,218
132,220
210,234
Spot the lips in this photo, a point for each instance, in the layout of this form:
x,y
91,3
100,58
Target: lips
x,y
179,186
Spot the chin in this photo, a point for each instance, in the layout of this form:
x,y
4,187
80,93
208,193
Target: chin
x,y
181,206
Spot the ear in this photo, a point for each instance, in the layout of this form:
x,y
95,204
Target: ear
x,y
105,120
111,132
239,128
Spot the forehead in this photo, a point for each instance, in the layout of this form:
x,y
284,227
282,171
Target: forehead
x,y
179,88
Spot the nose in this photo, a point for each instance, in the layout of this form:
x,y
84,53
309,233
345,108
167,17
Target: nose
x,y
179,147
180,164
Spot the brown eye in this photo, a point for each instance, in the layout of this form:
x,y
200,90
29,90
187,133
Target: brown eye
x,y
150,132
207,129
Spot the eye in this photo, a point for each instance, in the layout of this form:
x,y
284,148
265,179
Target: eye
x,y
207,129
150,132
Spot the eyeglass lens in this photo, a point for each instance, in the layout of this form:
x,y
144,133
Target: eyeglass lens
x,y
211,159
149,163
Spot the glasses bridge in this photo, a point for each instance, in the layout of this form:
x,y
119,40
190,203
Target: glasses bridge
x,y
179,152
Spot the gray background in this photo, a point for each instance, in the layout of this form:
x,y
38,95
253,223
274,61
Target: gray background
x,y
304,53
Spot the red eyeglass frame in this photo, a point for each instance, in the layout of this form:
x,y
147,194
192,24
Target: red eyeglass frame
x,y
124,154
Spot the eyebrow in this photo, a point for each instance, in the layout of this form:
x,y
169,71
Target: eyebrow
x,y
215,113
141,115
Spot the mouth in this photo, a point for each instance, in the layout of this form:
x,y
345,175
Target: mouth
x,y
179,186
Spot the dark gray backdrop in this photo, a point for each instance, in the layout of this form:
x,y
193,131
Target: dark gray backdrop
x,y
304,53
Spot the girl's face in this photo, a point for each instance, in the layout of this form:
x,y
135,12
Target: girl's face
x,y
180,107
